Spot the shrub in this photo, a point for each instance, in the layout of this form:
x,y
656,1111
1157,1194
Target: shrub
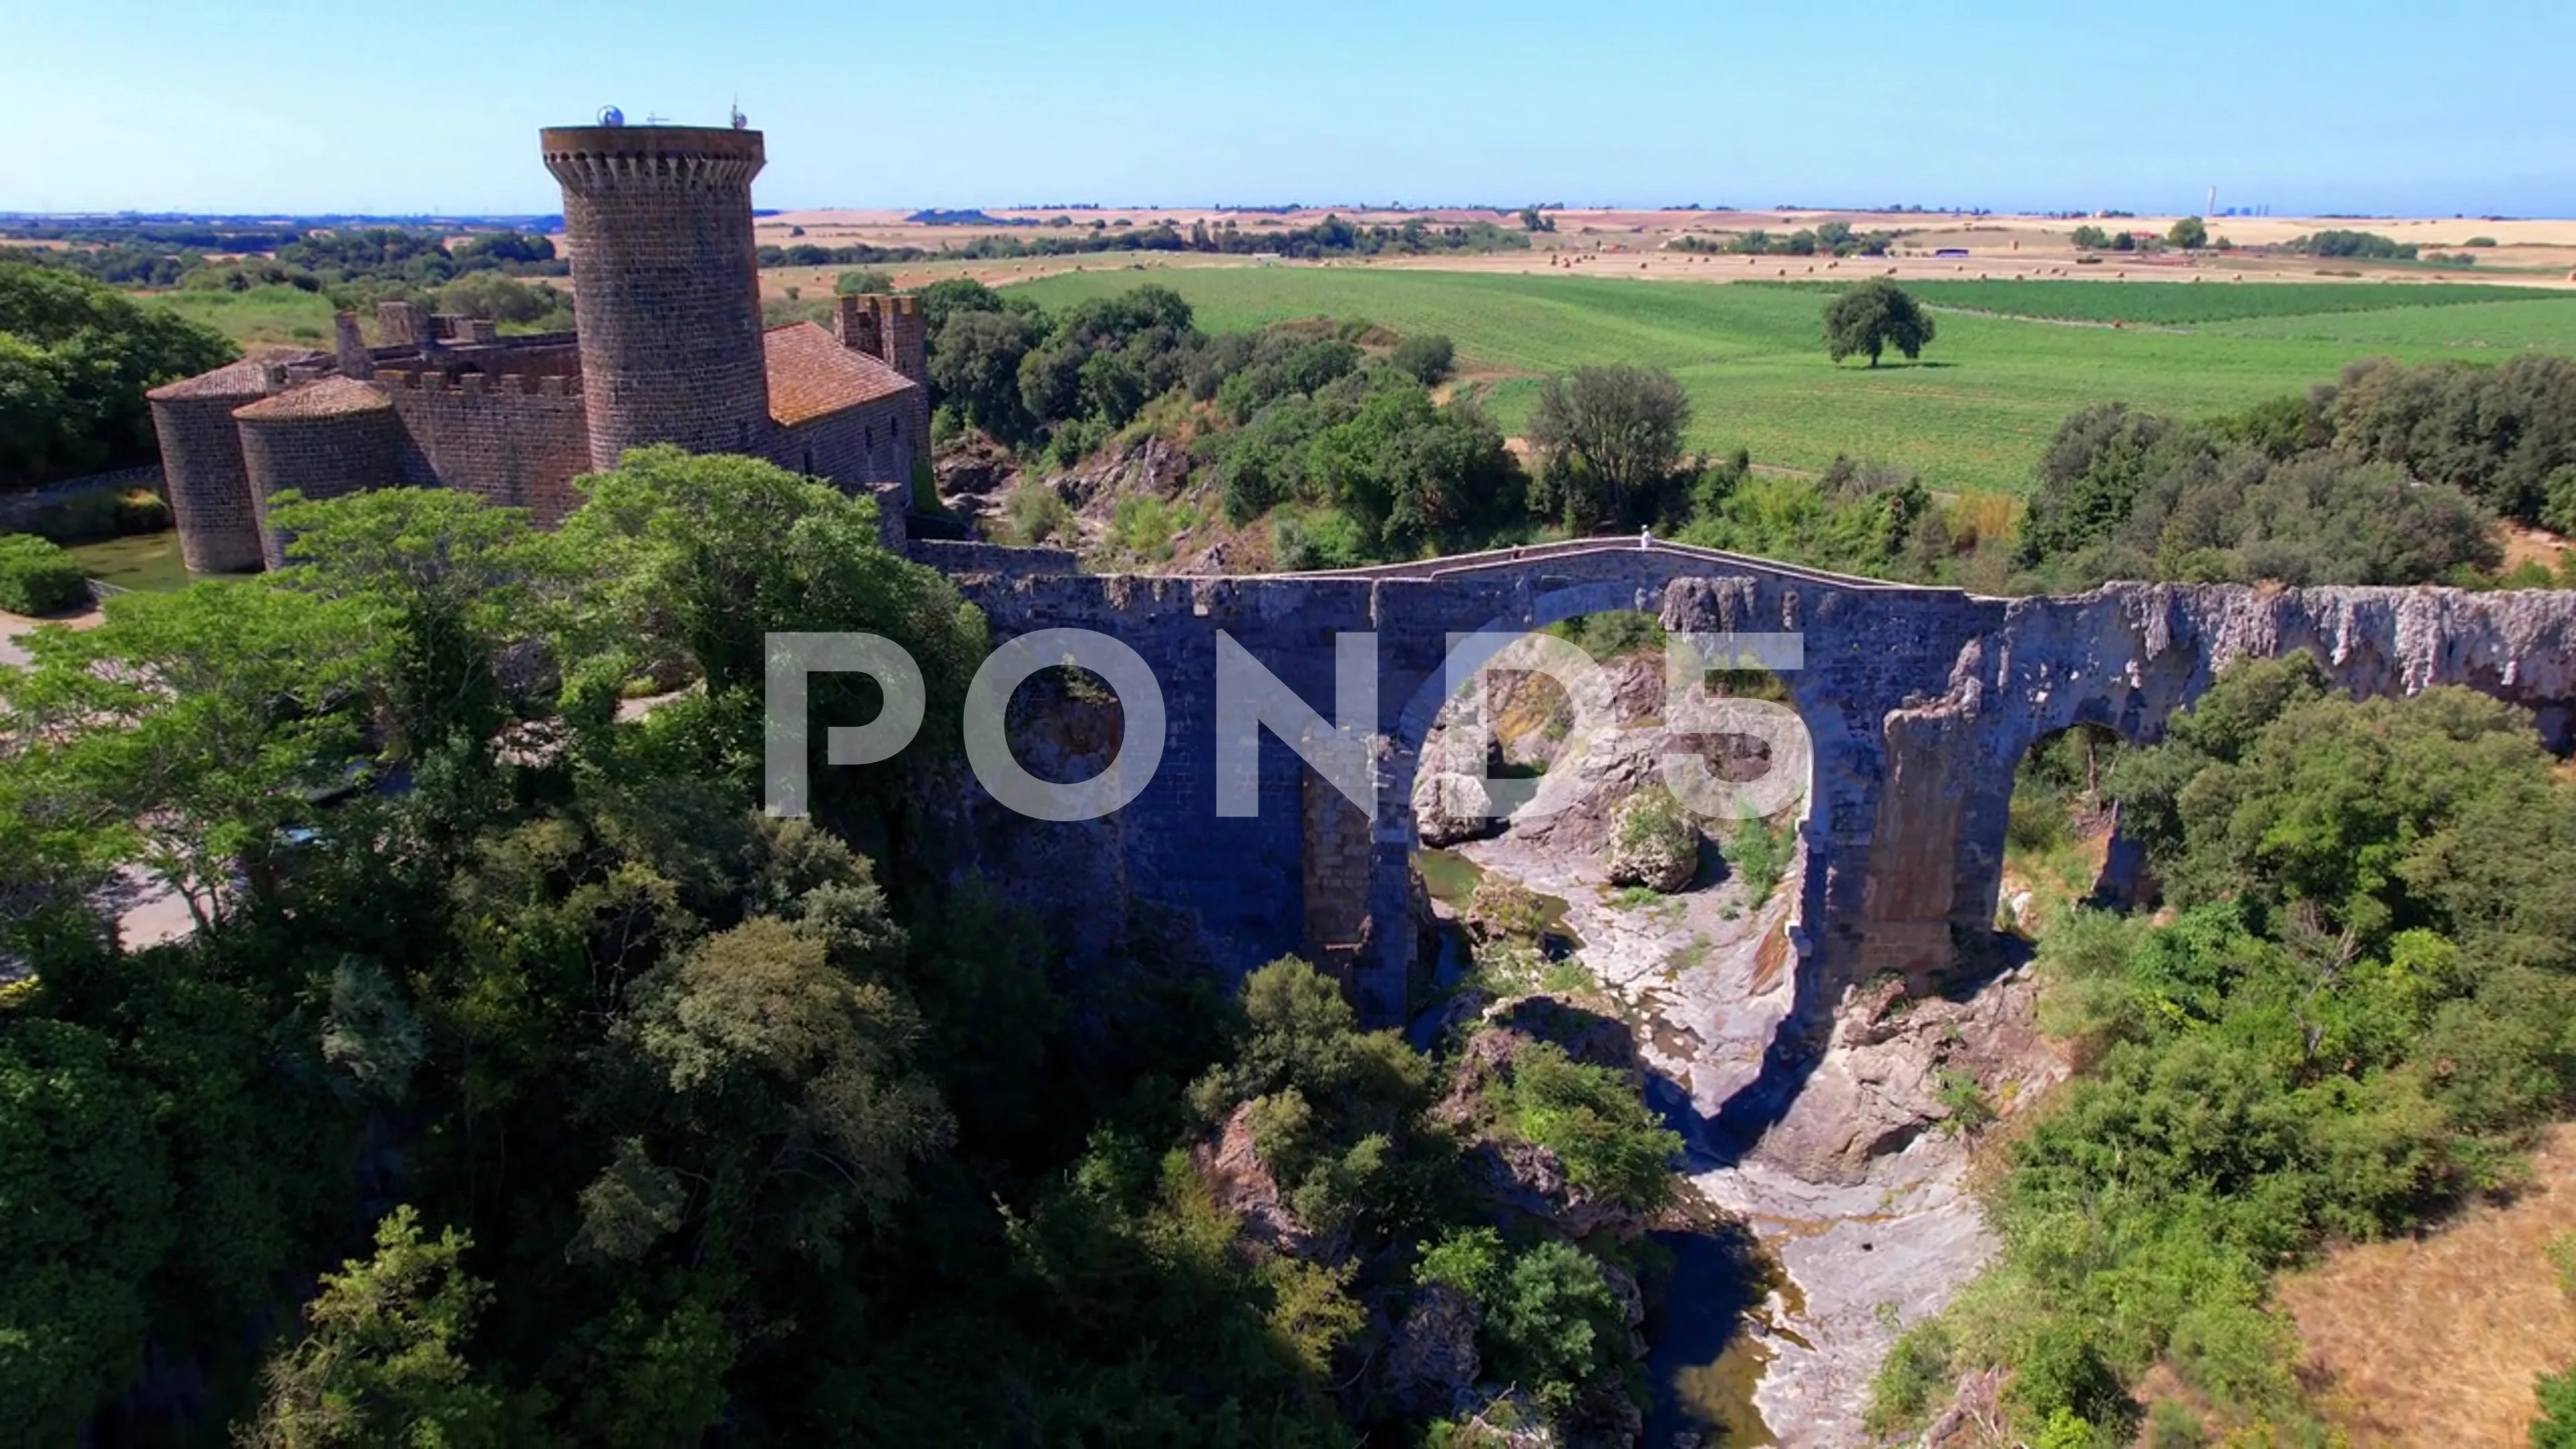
x,y
2171,1426
1467,1259
1321,540
1918,1368
2556,1426
1759,855
862,283
37,577
1504,910
1428,357
1076,438
2558,501
1039,514
1653,842
1966,1101
141,510
1554,1323
1593,1120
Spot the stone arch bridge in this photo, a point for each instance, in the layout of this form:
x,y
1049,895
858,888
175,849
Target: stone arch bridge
x,y
1919,702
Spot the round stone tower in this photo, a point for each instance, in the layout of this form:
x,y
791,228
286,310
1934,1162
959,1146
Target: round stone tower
x,y
325,439
666,288
201,461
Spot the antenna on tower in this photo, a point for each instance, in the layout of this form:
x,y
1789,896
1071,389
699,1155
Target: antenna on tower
x,y
740,120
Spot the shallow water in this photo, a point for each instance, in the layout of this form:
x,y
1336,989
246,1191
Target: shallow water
x,y
146,561
1707,1355
1452,880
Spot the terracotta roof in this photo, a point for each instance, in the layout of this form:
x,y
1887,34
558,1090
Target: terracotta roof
x,y
811,375
246,378
328,397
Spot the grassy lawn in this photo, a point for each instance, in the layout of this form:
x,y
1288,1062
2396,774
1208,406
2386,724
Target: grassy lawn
x,y
259,317
1975,415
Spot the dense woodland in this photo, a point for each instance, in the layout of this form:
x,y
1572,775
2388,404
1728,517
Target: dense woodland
x,y
522,1083
75,360
2359,998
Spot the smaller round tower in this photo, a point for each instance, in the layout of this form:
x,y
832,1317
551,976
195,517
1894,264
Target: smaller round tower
x,y
666,285
202,467
326,439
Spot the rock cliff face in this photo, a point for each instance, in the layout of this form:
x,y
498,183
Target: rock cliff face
x,y
2141,651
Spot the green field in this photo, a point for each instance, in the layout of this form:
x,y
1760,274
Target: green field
x,y
2191,304
1976,414
260,315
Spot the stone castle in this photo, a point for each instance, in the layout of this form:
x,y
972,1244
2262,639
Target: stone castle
x,y
669,347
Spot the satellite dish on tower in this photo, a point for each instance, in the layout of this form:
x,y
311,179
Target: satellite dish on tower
x,y
611,116
740,120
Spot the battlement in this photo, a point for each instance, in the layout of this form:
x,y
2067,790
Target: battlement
x,y
477,384
592,159
887,328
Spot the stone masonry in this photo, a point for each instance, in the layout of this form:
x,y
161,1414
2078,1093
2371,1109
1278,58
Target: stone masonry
x,y
670,348
1919,703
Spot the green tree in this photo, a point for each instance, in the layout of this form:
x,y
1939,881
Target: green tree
x,y
1872,317
786,1090
37,577
1554,1324
1596,1122
383,1362
692,561
190,728
442,574
1611,440
2190,233
75,360
91,1214
1428,356
506,300
865,282
975,365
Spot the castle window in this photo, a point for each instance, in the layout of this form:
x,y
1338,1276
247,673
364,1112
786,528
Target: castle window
x,y
809,462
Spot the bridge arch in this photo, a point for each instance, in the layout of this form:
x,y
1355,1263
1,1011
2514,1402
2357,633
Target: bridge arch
x,y
1430,703
1918,702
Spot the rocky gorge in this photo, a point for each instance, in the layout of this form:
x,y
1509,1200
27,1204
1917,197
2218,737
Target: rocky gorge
x,y
1847,1172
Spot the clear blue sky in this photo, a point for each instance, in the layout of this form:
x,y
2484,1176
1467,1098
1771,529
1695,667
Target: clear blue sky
x,y
308,106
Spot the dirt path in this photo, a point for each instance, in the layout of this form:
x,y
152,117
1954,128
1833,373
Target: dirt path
x,y
14,626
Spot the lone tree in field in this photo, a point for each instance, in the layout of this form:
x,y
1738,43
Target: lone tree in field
x,y
1611,438
1872,317
2190,234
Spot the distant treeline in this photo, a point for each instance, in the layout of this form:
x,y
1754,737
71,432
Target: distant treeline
x,y
1831,238
176,255
2367,245
1331,237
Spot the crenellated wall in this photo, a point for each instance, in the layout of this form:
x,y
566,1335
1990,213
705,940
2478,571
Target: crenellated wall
x,y
518,439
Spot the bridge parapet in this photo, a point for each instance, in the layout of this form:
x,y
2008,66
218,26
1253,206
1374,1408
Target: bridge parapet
x,y
1919,703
